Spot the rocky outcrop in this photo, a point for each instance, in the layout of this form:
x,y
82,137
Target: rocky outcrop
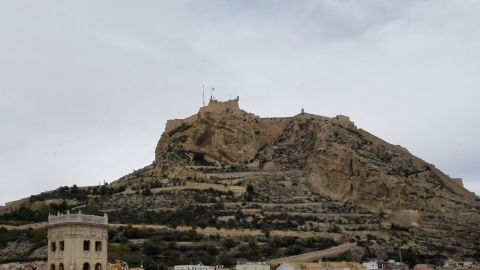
x,y
336,158
219,135
303,155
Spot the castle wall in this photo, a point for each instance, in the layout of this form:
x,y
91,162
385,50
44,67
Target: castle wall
x,y
276,119
344,121
175,123
458,181
13,206
216,106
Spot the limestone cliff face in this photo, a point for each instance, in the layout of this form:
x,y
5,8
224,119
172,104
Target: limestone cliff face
x,y
219,135
333,156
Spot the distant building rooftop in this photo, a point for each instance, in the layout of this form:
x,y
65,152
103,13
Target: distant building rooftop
x,y
77,218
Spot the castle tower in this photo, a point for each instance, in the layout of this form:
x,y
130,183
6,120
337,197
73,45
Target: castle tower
x,y
77,242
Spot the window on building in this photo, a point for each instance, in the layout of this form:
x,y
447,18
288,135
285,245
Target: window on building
x,y
60,266
86,245
52,266
62,245
53,246
86,266
98,266
98,246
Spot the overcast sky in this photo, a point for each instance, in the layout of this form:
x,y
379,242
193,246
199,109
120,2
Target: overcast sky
x,y
86,86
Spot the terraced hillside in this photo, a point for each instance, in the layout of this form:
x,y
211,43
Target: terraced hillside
x,y
229,174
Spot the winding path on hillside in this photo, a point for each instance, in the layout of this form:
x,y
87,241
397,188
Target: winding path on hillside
x,y
315,255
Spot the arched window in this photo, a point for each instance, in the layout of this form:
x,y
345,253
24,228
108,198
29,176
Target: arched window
x,y
52,266
86,266
98,266
60,266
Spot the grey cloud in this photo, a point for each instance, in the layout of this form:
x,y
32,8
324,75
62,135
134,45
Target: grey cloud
x,y
86,87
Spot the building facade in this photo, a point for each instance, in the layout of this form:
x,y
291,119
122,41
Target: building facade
x,y
194,267
252,266
77,242
393,265
372,264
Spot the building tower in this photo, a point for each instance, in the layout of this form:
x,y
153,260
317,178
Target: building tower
x,y
77,242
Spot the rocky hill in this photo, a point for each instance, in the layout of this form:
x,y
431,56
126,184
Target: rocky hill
x,y
232,173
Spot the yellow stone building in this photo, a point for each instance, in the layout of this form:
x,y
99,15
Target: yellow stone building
x,y
77,242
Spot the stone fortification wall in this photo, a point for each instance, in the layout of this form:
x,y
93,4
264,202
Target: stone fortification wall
x,y
458,181
216,106
175,123
341,120
453,184
344,121
229,106
305,115
13,206
268,120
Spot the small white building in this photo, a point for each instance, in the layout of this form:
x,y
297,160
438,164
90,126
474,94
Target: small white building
x,y
252,266
194,267
372,264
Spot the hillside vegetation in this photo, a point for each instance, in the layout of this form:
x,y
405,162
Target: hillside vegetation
x,y
273,187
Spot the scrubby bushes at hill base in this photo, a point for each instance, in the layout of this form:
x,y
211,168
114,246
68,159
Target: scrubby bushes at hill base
x,y
35,236
59,200
210,216
74,192
29,238
159,248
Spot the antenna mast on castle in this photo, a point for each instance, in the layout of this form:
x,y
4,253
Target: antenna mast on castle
x,y
211,93
203,94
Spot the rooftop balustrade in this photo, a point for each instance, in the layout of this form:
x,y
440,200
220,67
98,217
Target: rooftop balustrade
x,y
77,218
